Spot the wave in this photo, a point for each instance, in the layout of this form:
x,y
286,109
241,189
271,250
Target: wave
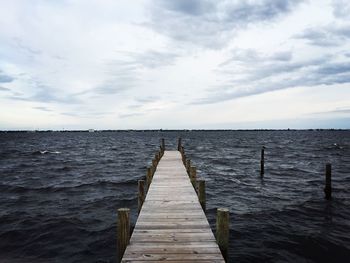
x,y
56,188
45,152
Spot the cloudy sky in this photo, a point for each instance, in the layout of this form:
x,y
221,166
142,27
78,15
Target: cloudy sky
x,y
109,64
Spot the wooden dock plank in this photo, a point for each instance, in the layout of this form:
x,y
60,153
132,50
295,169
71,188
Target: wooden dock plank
x,y
172,226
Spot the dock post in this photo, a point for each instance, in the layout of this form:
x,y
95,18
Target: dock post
x,y
188,166
328,186
141,196
193,176
123,231
201,193
223,231
163,144
262,162
148,177
179,143
154,166
184,158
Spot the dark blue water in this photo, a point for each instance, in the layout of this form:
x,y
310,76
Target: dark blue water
x,y
60,205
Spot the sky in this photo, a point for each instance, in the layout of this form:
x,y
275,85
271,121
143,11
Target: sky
x,y
184,64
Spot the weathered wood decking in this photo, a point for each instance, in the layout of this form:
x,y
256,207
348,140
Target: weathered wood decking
x,y
172,226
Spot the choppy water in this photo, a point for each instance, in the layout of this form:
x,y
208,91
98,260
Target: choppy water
x,y
60,191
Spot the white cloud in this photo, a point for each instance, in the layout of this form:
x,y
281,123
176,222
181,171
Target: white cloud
x,y
149,64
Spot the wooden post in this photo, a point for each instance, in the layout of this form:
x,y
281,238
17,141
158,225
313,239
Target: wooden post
x,y
184,159
148,177
328,186
223,231
201,193
193,176
163,144
141,197
179,142
262,161
188,166
154,166
123,231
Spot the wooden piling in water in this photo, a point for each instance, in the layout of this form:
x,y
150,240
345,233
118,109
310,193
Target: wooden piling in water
x,y
123,231
148,177
262,162
141,195
179,144
156,157
161,151
188,166
328,182
201,193
193,176
163,144
223,231
154,166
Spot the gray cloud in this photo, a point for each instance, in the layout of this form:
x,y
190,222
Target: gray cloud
x,y
4,89
42,108
115,85
266,75
147,99
44,93
250,55
341,9
336,111
330,35
128,115
89,114
211,23
154,59
4,78
124,72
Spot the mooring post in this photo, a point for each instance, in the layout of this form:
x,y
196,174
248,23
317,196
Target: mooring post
x,y
163,144
179,142
161,151
123,231
201,193
193,176
156,157
262,161
223,231
184,159
154,166
149,177
328,186
141,196
188,166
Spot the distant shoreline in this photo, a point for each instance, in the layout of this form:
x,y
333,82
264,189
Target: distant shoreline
x,y
164,130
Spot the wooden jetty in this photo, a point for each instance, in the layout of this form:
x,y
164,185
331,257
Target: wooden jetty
x,y
172,225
